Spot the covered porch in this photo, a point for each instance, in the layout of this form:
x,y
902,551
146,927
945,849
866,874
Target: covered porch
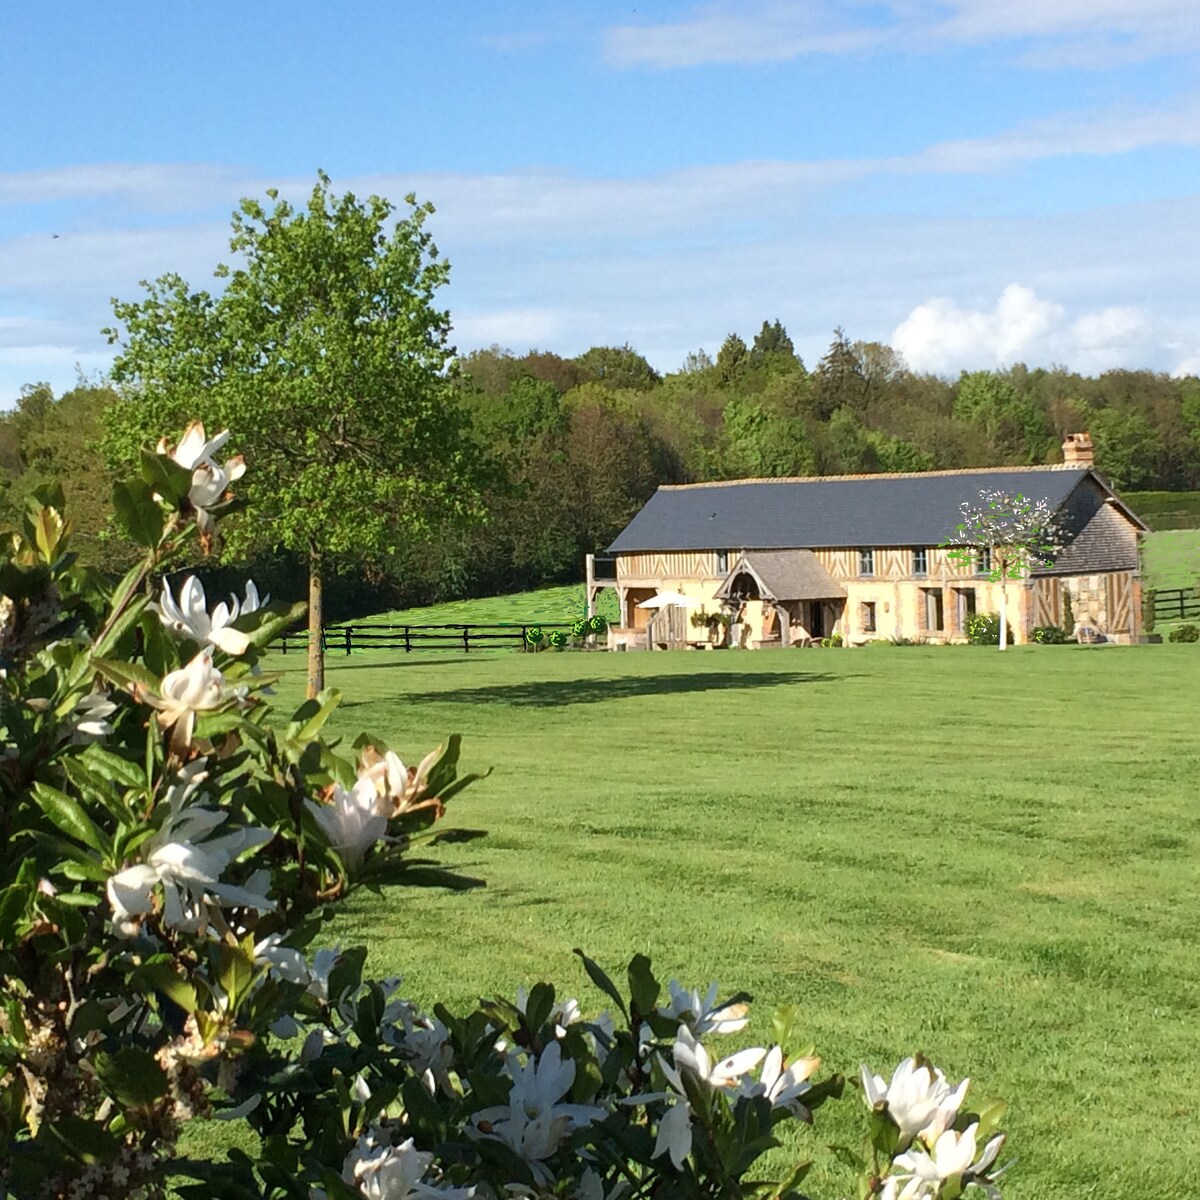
x,y
783,597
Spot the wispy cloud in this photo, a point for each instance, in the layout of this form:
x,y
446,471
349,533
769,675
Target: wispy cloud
x,y
669,261
1081,33
750,34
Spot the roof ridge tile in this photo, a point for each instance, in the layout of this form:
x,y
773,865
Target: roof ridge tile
x,y
718,483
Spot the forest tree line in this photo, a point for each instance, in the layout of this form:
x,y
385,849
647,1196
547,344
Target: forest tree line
x,y
569,449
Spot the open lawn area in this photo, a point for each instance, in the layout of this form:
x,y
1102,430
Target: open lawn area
x,y
994,858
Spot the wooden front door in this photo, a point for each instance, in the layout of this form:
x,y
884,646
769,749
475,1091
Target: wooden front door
x,y
816,619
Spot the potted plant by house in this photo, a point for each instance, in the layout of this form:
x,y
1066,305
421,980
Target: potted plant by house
x,y
717,624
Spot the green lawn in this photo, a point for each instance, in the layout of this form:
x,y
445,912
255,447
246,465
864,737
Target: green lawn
x,y
551,605
1171,559
993,858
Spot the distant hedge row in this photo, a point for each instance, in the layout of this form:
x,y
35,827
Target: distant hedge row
x,y
1166,510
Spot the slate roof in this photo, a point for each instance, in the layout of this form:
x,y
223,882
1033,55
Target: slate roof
x,y
786,575
858,510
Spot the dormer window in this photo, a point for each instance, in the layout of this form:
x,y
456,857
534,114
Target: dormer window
x,y
866,562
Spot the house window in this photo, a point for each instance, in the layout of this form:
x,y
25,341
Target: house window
x,y
722,562
965,598
920,561
867,617
983,561
866,562
934,609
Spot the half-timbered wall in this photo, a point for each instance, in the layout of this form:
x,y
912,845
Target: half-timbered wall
x,y
671,565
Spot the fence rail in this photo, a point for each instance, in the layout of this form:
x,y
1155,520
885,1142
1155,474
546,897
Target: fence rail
x,y
348,638
1176,604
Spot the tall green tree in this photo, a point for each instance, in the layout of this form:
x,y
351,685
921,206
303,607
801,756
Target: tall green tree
x,y
48,440
839,379
326,357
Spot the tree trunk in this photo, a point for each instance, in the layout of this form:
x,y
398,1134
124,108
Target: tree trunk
x,y
316,646
1003,611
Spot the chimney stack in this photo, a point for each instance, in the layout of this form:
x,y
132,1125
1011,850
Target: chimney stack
x,y
1077,450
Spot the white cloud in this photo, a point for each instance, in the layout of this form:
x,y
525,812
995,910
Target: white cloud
x,y
1088,33
942,337
162,186
1189,366
523,327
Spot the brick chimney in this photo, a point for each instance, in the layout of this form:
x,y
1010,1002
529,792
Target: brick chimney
x,y
1077,450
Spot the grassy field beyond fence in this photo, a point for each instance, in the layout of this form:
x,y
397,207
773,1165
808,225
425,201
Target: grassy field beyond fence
x,y
992,858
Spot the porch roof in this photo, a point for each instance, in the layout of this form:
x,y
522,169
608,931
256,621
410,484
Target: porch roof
x,y
784,575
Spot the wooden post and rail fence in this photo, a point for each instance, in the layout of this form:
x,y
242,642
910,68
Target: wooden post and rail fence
x,y
410,638
1176,604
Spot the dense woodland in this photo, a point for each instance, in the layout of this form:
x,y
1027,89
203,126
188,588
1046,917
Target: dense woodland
x,y
569,449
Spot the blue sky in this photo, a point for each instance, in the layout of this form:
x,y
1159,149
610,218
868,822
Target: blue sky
x,y
975,182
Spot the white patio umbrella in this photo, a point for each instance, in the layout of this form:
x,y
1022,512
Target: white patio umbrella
x,y
665,599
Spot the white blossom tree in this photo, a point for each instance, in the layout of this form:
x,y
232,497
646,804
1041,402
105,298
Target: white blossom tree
x,y
1020,533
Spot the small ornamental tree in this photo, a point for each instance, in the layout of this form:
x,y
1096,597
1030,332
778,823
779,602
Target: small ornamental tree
x,y
1020,533
325,355
170,850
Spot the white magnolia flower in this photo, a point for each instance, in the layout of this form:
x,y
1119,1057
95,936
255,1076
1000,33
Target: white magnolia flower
x,y
675,1134
675,1125
281,960
198,687
187,863
353,821
401,788
915,1098
384,1172
703,1015
425,1043
564,1012
322,966
690,1055
210,481
782,1088
189,616
952,1156
88,721
534,1122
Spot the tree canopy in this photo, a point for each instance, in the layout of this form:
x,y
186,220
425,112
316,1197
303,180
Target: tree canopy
x,y
325,353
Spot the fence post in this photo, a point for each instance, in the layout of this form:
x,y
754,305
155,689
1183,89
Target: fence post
x,y
348,628
407,641
466,639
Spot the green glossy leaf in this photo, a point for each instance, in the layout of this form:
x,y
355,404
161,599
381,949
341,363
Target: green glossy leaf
x,y
67,814
82,1139
138,513
600,978
538,1005
131,1075
113,766
644,989
131,615
310,717
165,476
128,675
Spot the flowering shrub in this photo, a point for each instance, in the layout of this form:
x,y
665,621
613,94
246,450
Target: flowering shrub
x,y
983,629
168,859
1050,635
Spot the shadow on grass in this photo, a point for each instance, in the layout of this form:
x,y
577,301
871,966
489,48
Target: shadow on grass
x,y
551,693
333,663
